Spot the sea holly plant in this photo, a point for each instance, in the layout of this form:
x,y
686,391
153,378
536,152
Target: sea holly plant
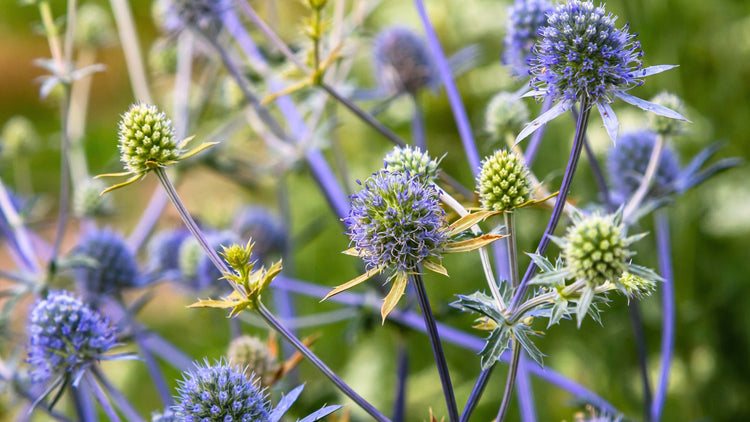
x,y
582,57
397,225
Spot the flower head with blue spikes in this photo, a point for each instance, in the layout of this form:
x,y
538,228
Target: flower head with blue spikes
x,y
582,57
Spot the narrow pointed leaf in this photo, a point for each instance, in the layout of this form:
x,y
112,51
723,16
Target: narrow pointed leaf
x,y
584,302
534,93
550,278
653,70
185,141
468,221
610,120
649,106
351,252
351,283
521,334
321,413
541,262
717,167
704,155
643,272
212,303
435,267
495,345
121,174
550,114
133,179
285,404
398,289
559,310
197,149
471,244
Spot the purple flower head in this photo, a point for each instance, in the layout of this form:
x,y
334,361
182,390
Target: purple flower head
x,y
627,163
396,221
113,266
201,15
265,229
402,61
220,392
583,57
525,18
163,249
65,335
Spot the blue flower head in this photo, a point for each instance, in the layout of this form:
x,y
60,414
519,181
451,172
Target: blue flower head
x,y
396,221
525,18
66,335
220,392
265,229
196,269
402,61
582,57
163,249
627,163
113,266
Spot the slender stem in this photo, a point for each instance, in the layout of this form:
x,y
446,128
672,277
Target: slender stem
x,y
648,178
510,382
575,154
363,115
20,233
510,227
525,392
148,219
536,138
64,204
307,353
601,182
189,222
402,373
418,133
476,393
663,245
454,98
81,403
102,399
131,48
120,401
437,347
642,349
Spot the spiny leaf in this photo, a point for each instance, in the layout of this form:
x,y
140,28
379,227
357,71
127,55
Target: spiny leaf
x,y
351,252
494,347
521,335
398,289
285,403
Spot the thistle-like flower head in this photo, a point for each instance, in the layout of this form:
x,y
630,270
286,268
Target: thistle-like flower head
x,y
627,163
220,392
506,115
66,335
94,27
396,221
253,353
525,18
582,57
503,182
201,15
18,138
402,61
163,249
663,125
146,139
88,203
596,250
266,230
412,160
113,266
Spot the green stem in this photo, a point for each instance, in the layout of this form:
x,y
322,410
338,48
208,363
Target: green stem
x,y
510,227
510,382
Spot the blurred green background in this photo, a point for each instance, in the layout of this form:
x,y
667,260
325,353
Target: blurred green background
x,y
710,225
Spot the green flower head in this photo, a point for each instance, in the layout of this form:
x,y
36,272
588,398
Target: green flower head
x,y
596,250
503,182
413,160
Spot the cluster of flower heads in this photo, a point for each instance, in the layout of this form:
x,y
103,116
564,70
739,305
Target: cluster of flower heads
x,y
65,336
396,221
402,62
220,392
525,18
112,265
412,160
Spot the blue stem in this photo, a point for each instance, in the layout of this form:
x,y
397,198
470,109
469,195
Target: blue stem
x,y
525,392
557,212
446,76
119,399
418,133
437,347
399,405
663,245
476,393
96,389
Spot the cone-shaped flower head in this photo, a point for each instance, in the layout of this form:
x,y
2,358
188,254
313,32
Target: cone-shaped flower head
x,y
525,18
65,334
396,221
628,160
582,54
595,249
506,115
664,125
413,160
402,61
18,138
253,353
146,139
266,230
113,266
503,182
94,27
88,203
220,392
